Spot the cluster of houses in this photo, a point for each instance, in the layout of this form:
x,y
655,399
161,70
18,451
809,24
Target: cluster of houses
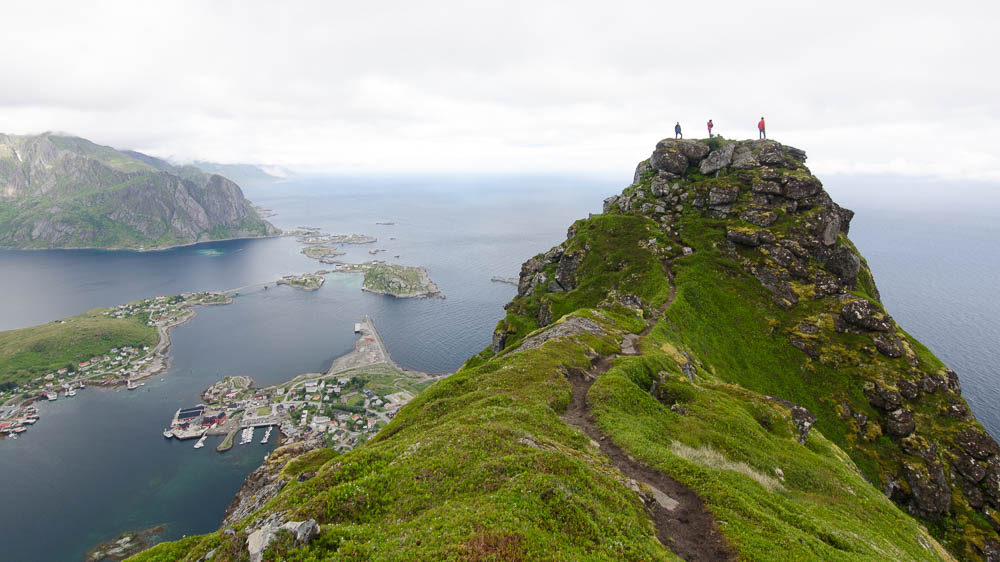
x,y
164,310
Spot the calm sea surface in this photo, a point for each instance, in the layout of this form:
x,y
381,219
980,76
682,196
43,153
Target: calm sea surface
x,y
96,465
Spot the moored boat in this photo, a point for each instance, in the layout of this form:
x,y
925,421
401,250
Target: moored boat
x,y
168,433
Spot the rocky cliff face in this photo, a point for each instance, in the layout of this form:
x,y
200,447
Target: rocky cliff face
x,y
704,371
61,192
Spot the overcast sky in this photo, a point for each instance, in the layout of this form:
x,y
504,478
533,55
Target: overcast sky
x,y
900,87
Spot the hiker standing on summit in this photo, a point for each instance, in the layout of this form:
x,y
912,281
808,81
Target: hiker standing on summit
x,y
677,131
710,125
761,134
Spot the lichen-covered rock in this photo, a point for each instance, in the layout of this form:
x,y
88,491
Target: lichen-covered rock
x,y
722,195
899,423
931,494
864,314
717,160
802,188
771,154
970,469
976,443
769,187
889,345
845,264
804,420
743,237
882,398
566,271
907,389
773,280
760,217
743,158
669,159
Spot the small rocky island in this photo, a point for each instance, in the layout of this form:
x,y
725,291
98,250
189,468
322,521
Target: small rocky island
x,y
317,237
321,251
400,281
306,281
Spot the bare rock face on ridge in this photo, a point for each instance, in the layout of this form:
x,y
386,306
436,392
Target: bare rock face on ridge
x,y
66,192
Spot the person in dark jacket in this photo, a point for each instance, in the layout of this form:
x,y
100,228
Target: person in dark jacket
x,y
677,131
761,133
710,125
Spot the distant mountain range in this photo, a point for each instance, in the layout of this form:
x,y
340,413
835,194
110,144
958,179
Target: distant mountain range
x,y
67,192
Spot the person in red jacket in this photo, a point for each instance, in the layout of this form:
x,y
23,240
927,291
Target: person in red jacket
x,y
761,134
710,125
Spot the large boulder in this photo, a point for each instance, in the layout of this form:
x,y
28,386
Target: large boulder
x,y
764,186
899,423
845,264
718,159
566,271
674,156
970,469
723,195
801,188
743,158
889,345
743,237
864,314
931,495
760,217
976,443
669,161
771,154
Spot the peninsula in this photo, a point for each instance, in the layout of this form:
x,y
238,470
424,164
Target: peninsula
x,y
67,192
103,347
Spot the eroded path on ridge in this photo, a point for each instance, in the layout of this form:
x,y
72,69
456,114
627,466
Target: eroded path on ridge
x,y
682,522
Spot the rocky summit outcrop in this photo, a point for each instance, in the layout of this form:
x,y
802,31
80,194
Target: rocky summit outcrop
x,y
760,213
66,192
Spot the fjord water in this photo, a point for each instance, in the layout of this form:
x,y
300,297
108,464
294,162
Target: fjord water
x,y
96,465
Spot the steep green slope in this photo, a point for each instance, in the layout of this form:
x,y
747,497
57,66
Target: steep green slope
x,y
652,339
67,192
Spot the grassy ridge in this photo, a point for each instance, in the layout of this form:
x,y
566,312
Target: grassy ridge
x,y
30,352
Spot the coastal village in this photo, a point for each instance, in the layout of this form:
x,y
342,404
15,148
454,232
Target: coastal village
x,y
118,366
347,405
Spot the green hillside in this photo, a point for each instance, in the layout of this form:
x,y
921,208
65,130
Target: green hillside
x,y
32,352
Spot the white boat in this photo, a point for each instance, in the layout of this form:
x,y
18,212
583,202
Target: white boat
x,y
168,433
201,442
267,435
30,421
81,385
51,396
129,385
70,393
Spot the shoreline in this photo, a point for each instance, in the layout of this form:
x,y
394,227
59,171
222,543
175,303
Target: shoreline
x,y
143,250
